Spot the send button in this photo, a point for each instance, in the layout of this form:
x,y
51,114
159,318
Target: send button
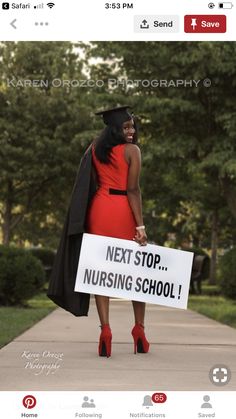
x,y
156,24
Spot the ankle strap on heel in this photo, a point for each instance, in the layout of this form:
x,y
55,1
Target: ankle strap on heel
x,y
105,327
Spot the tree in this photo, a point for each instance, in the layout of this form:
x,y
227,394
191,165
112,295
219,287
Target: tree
x,y
40,127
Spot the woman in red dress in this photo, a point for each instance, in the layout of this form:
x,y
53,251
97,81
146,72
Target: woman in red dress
x,y
116,209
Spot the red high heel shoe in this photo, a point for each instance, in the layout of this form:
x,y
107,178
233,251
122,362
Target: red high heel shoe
x,y
141,345
104,348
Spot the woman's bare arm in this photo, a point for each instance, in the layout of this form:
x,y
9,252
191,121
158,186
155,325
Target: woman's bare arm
x,y
133,158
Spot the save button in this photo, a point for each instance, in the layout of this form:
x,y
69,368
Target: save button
x,y
205,23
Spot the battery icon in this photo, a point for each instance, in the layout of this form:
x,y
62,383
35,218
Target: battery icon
x,y
225,5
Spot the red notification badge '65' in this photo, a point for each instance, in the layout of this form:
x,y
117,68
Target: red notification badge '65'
x,y
205,23
159,397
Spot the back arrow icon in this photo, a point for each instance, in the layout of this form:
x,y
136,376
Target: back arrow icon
x,y
12,24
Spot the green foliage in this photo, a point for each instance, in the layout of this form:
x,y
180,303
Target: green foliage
x,y
227,273
21,275
45,255
39,145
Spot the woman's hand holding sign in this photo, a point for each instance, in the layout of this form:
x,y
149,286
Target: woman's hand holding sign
x,y
141,236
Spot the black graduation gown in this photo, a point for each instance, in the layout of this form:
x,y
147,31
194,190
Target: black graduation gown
x,y
62,280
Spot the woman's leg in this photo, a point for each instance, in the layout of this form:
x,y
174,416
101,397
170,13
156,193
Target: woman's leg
x,y
141,344
104,347
139,312
102,304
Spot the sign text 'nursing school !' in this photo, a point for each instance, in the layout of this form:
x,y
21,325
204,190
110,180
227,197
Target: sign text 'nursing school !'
x,y
121,268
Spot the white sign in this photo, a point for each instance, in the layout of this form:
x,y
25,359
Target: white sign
x,y
122,268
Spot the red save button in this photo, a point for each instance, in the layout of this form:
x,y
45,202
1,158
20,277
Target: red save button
x,y
205,23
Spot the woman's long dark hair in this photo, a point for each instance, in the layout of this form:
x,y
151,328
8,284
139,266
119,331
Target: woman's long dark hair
x,y
109,138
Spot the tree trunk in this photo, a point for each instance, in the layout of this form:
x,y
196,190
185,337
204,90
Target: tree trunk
x,y
6,228
214,245
229,189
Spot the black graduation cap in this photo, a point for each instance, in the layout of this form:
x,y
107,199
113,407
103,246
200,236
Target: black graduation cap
x,y
115,116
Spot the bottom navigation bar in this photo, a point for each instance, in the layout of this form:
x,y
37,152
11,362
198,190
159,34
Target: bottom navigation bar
x,y
117,404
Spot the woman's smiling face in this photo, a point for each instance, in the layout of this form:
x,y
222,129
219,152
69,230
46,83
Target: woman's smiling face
x,y
128,130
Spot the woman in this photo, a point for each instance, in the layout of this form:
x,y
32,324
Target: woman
x,y
116,208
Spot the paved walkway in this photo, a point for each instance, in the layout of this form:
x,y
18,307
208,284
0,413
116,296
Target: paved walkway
x,y
60,353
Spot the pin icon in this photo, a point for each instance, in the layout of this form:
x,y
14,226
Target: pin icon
x,y
194,23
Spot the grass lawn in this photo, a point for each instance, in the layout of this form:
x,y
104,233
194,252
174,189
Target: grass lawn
x,y
15,320
214,306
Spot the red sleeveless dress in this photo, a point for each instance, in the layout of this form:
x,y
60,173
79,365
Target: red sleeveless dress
x,y
111,215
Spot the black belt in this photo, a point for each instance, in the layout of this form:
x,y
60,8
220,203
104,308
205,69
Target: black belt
x,y
117,192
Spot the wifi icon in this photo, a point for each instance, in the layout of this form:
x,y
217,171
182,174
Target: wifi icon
x,y
50,5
